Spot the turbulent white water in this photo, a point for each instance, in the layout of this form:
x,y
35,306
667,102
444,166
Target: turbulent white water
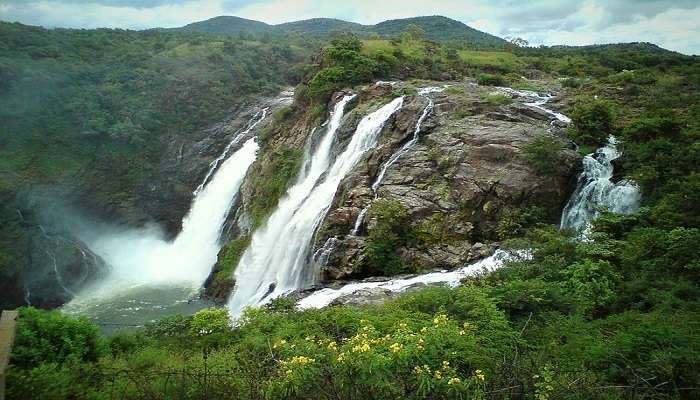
x,y
324,297
257,118
141,259
277,261
538,101
595,190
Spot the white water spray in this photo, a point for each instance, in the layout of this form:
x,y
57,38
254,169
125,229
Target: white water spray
x,y
277,260
595,190
144,259
325,297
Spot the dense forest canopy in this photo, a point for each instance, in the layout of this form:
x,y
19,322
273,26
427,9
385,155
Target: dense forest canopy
x,y
614,316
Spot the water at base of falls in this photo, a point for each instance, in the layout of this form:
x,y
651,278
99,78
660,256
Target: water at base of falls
x,y
596,190
278,260
151,277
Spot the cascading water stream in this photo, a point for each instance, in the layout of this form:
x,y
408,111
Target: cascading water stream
x,y
325,297
257,118
596,190
394,157
277,260
539,100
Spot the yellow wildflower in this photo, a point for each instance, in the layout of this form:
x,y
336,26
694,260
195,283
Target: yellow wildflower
x,y
454,381
302,360
440,319
480,375
361,348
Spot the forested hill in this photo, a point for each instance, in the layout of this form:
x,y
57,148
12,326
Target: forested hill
x,y
435,27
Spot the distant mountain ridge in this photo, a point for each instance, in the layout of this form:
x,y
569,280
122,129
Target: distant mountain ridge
x,y
435,27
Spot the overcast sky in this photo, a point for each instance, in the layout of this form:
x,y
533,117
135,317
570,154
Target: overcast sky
x,y
673,24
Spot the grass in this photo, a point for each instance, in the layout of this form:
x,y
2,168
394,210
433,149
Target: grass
x,y
231,254
494,59
413,49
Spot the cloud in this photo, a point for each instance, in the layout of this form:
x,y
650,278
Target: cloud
x,y
671,24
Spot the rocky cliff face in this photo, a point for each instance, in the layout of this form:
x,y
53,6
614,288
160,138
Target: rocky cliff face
x,y
465,175
467,172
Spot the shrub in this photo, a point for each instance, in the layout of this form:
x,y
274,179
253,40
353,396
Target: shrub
x,y
491,80
210,320
571,83
544,153
391,229
498,98
54,337
593,122
593,285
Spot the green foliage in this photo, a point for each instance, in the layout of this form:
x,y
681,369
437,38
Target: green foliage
x,y
497,98
593,284
593,121
571,83
514,222
230,255
491,80
390,229
53,337
544,154
210,321
272,181
661,154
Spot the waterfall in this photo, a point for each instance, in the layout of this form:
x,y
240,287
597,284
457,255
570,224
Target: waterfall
x,y
403,150
595,190
255,120
277,259
144,258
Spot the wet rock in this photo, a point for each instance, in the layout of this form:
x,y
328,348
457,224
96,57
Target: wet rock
x,y
457,180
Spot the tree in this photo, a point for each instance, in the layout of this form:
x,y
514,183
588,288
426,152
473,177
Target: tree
x,y
593,122
415,32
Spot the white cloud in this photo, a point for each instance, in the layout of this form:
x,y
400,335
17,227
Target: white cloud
x,y
672,25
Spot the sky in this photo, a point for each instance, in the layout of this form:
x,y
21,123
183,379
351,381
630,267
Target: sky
x,y
670,24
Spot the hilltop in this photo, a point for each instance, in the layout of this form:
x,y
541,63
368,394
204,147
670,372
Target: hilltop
x,y
435,27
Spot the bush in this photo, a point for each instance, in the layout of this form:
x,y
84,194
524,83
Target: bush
x,y
593,122
54,337
571,83
593,284
391,229
544,154
209,321
491,80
